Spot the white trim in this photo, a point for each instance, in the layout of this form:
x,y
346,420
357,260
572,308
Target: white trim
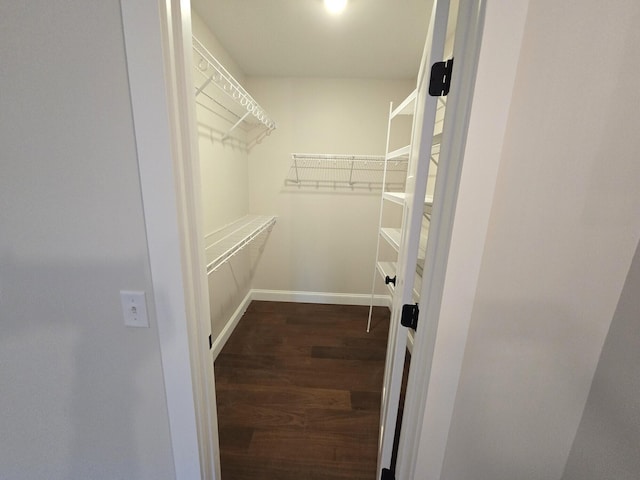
x,y
421,147
430,404
466,51
176,29
178,73
143,38
320,297
232,323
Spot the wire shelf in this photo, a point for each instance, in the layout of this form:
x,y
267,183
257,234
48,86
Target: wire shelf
x,y
226,242
347,171
236,102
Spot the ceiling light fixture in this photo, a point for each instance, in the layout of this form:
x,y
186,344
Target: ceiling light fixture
x,y
335,6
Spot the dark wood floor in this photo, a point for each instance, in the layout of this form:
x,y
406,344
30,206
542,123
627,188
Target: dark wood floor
x,y
298,390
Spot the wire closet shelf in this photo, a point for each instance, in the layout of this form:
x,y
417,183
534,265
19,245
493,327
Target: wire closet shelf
x,y
228,241
243,106
346,171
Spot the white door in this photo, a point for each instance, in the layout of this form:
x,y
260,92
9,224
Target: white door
x,y
422,139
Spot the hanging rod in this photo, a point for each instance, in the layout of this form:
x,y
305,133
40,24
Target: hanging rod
x,y
229,240
216,74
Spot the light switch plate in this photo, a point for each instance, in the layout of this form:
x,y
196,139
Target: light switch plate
x,y
134,308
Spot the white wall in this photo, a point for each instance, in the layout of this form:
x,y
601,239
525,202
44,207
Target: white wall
x,y
82,396
224,181
203,33
223,165
607,440
325,239
562,233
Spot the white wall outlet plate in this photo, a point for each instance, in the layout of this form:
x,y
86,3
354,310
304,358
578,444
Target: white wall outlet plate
x,y
134,308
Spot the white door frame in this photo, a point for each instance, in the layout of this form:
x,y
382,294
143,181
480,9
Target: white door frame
x,y
466,49
432,389
468,22
157,36
416,186
157,40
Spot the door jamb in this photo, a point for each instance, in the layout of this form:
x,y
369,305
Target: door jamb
x,y
433,414
157,37
467,42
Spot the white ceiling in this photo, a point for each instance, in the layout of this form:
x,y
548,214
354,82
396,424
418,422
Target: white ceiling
x,y
371,39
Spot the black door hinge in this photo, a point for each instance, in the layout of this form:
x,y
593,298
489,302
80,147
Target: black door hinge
x,y
440,81
388,280
210,342
387,474
409,317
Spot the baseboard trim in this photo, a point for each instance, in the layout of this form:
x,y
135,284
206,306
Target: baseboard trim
x,y
320,297
228,329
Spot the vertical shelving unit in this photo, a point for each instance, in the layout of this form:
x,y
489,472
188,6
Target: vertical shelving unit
x,y
393,225
389,232
403,232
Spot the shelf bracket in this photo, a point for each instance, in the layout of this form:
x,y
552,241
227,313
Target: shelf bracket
x,y
295,163
204,85
351,173
228,134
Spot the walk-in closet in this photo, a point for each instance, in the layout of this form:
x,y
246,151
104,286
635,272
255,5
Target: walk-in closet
x,y
319,137
261,240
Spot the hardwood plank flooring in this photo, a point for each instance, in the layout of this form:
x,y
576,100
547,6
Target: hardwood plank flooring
x,y
298,391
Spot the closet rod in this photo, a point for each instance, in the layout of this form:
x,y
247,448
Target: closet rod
x,y
234,237
216,74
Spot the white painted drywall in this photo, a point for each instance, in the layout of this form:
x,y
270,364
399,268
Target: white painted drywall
x,y
562,233
223,165
325,239
202,32
82,396
608,438
224,180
